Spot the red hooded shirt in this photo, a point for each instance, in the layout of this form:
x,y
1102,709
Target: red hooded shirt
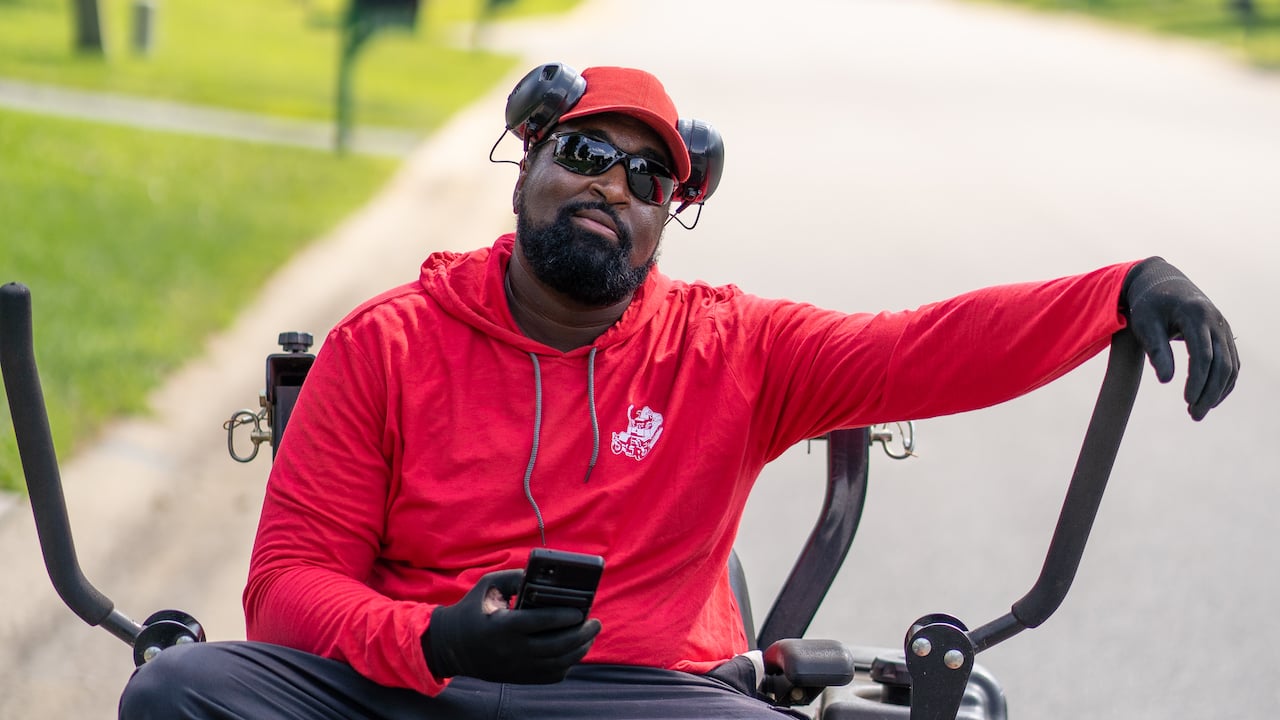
x,y
403,477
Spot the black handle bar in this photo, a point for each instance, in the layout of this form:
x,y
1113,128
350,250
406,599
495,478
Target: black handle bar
x,y
1084,495
40,465
939,648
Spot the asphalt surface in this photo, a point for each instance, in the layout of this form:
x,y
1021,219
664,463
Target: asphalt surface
x,y
880,154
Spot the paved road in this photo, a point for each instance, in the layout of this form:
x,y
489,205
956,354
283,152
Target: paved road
x,y
881,154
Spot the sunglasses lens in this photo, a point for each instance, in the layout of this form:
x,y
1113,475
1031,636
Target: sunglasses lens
x,y
584,155
648,179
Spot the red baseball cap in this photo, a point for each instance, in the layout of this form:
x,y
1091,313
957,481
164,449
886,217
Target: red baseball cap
x,y
637,94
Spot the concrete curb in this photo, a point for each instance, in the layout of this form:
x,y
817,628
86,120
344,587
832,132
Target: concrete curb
x,y
168,116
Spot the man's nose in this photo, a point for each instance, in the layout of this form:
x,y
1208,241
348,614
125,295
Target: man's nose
x,y
612,185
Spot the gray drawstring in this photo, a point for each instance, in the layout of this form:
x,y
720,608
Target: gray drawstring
x,y
591,402
537,431
533,454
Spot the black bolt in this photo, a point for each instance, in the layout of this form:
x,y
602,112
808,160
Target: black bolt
x,y
295,342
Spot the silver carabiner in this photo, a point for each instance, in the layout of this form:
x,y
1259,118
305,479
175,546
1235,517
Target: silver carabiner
x,y
905,438
256,435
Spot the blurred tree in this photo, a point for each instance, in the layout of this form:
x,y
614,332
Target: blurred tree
x,y
1245,10
364,18
88,27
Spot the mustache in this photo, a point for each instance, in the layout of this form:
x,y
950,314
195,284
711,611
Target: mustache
x,y
624,232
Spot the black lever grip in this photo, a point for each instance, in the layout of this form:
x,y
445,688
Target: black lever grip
x,y
1084,495
40,465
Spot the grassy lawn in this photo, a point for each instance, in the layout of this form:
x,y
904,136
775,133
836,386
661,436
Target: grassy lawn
x,y
271,56
137,245
1254,37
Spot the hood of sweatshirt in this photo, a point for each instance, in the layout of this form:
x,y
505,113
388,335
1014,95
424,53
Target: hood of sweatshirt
x,y
471,287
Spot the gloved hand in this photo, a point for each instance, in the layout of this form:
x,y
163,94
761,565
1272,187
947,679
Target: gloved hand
x,y
480,637
1163,305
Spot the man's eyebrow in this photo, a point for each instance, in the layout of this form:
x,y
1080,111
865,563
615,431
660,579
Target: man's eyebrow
x,y
644,152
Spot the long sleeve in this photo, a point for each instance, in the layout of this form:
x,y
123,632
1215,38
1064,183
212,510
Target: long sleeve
x,y
822,370
321,529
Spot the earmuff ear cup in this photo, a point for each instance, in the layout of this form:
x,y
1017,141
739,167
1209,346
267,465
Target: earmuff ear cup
x,y
540,98
706,160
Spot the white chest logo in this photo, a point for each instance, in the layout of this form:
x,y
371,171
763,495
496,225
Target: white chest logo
x,y
644,427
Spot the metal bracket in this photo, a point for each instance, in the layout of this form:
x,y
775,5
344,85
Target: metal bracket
x,y
939,659
163,630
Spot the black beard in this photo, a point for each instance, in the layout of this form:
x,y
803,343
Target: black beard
x,y
579,264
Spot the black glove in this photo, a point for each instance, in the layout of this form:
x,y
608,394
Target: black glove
x,y
1163,305
480,637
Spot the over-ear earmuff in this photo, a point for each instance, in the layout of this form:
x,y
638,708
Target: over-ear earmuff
x,y
706,160
540,98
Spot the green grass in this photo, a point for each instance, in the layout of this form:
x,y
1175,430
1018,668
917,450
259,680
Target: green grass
x,y
137,245
1255,38
276,57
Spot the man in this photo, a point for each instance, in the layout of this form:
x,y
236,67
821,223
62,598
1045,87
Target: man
x,y
556,390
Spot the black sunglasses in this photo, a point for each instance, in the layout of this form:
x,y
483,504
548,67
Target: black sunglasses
x,y
649,180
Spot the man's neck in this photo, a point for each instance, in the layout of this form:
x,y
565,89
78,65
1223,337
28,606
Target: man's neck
x,y
551,318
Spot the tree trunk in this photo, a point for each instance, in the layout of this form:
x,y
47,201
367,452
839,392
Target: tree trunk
x,y
88,27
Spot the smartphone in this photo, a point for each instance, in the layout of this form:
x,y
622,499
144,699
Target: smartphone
x,y
558,578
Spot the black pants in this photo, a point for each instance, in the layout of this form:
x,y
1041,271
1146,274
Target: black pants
x,y
257,681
